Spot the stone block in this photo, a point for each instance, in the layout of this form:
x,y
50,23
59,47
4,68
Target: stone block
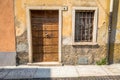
x,y
22,58
83,60
4,72
21,73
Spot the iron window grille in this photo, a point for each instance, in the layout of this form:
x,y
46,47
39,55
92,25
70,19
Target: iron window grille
x,y
84,25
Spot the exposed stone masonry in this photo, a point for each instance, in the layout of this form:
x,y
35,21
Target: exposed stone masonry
x,y
22,49
75,55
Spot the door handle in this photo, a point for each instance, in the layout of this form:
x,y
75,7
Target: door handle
x,y
47,35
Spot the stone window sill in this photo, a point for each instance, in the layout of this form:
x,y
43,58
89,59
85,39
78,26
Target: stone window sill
x,y
84,43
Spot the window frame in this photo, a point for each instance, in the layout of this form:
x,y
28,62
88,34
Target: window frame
x,y
95,26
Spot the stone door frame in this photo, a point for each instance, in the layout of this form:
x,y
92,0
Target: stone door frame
x,y
29,28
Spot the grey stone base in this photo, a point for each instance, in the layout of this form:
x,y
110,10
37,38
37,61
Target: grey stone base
x,y
7,58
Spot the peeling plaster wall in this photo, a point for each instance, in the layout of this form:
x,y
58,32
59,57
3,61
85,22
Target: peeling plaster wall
x,y
70,54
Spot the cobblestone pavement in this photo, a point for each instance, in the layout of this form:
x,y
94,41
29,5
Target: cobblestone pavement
x,y
82,72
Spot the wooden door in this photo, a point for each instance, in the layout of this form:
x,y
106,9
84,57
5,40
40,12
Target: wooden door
x,y
44,35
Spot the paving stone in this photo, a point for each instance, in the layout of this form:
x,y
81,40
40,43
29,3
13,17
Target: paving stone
x,y
63,71
90,71
42,73
21,74
4,72
111,70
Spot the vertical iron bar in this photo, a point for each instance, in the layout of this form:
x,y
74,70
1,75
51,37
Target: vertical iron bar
x,y
77,26
90,23
85,25
82,27
91,29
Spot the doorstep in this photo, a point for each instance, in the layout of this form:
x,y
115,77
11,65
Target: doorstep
x,y
45,64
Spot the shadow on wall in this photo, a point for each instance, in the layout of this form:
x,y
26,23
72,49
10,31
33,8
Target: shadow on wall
x,y
114,27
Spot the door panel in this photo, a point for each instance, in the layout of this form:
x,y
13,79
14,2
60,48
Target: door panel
x,y
44,35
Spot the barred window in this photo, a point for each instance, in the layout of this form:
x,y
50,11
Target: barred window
x,y
84,25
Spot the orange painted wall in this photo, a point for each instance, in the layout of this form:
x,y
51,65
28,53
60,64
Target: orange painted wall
x,y
7,33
